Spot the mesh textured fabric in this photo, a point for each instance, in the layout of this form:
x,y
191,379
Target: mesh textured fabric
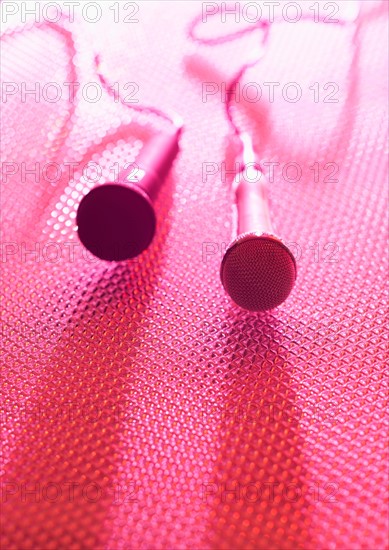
x,y
141,407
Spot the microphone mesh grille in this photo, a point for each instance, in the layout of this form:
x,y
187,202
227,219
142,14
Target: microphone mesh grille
x,y
258,272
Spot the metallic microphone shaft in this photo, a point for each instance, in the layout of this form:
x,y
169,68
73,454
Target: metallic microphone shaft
x,y
153,163
252,202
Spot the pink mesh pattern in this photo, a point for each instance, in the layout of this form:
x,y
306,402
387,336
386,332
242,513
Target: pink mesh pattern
x,y
141,408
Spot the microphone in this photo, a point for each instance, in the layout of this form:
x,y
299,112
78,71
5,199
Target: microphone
x,y
116,221
258,270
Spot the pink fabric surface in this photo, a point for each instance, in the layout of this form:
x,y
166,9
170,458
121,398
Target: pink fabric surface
x,y
144,408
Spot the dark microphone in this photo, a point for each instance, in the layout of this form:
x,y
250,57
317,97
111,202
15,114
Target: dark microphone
x,y
258,270
116,221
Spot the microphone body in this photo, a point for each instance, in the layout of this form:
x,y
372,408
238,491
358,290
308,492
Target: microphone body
x,y
251,194
258,271
153,164
116,221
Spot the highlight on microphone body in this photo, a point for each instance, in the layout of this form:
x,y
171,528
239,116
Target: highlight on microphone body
x,y
258,270
117,221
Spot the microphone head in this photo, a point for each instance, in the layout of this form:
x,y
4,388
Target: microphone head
x,y
258,271
116,222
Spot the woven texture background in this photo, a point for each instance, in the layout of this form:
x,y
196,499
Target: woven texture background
x,y
141,405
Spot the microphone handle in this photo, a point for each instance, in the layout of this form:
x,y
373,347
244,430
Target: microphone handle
x,y
153,164
252,202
